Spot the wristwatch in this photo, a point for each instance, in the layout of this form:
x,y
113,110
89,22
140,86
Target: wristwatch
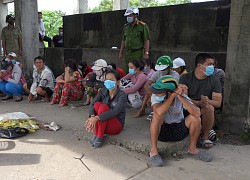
x,y
146,52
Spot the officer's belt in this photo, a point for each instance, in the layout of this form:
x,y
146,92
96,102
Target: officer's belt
x,y
133,50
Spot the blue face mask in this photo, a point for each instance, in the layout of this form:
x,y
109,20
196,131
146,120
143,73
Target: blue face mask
x,y
110,85
209,70
131,71
145,69
160,98
130,19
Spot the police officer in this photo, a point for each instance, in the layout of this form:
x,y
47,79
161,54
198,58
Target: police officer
x,y
11,37
135,38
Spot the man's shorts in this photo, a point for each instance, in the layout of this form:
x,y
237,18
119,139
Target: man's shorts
x,y
47,90
173,132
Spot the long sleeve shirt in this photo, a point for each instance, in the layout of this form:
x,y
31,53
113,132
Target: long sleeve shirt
x,y
15,75
138,82
117,105
41,28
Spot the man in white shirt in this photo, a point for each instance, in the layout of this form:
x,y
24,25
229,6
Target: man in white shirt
x,y
41,29
43,81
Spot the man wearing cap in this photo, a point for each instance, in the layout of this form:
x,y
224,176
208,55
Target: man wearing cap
x,y
135,38
169,124
179,66
11,37
205,91
163,67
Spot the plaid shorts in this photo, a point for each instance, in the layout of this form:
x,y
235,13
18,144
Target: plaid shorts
x,y
173,132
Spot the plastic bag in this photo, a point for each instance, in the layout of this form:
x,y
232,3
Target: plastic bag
x,y
13,133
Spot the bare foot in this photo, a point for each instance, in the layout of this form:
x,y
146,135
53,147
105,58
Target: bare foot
x,y
61,105
46,99
139,114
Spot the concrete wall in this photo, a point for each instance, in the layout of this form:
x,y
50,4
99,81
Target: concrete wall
x,y
237,85
188,27
56,56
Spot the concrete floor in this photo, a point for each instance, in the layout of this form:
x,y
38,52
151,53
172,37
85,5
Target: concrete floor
x,y
52,155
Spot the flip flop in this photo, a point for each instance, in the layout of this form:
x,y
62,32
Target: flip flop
x,y
201,156
156,160
207,143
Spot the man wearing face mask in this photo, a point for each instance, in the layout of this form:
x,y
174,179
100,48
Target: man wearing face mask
x,y
163,67
135,38
11,37
205,91
58,39
169,124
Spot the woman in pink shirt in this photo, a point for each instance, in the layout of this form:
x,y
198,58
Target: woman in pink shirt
x,y
138,78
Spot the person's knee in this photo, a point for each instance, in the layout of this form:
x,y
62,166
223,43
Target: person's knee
x,y
208,109
9,87
39,90
157,119
193,121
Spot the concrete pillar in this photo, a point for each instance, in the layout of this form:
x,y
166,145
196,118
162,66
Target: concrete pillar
x,y
3,14
120,4
26,19
81,6
236,110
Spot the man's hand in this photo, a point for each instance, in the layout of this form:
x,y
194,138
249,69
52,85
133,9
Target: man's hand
x,y
178,92
2,74
67,69
204,101
30,97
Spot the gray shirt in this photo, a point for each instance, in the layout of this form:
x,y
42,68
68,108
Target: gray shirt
x,y
174,113
158,74
117,105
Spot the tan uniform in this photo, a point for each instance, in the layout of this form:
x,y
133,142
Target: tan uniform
x,y
11,37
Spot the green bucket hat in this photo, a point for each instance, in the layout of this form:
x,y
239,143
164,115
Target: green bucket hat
x,y
163,62
164,84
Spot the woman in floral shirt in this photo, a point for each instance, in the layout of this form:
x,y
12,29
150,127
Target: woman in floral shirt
x,y
69,85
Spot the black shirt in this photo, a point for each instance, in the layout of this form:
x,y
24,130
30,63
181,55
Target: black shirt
x,y
58,41
198,87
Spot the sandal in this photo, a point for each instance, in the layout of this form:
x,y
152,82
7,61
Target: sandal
x,y
19,99
206,143
7,98
156,160
203,156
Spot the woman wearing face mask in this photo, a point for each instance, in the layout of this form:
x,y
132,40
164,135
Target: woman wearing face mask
x,y
11,81
68,86
95,80
107,111
148,68
138,79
